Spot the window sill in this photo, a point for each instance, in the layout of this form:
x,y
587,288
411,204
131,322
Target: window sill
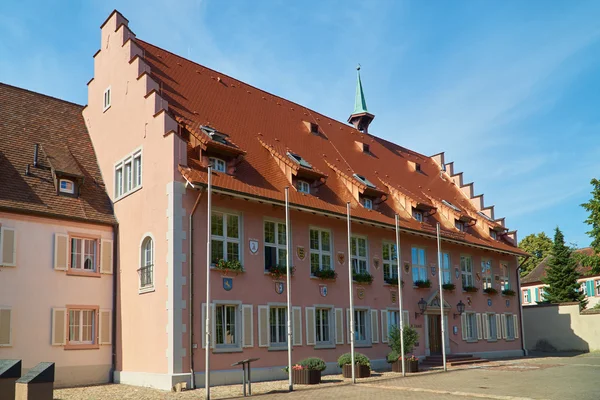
x,y
472,340
316,278
121,197
148,289
277,348
106,109
228,350
82,346
492,340
90,274
324,346
363,344
510,339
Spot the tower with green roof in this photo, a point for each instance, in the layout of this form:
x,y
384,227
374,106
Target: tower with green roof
x,y
361,118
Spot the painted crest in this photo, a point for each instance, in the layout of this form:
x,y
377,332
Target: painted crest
x,y
489,302
227,284
323,290
455,330
360,292
469,300
300,252
253,245
507,303
457,272
279,287
433,270
376,262
393,296
341,257
478,276
406,266
497,277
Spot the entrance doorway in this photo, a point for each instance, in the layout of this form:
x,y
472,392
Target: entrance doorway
x,y
435,334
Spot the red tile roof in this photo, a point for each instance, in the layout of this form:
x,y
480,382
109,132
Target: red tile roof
x,y
539,272
201,96
27,118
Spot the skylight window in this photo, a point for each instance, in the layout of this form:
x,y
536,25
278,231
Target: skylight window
x,y
484,215
452,206
299,160
214,134
314,128
367,203
364,180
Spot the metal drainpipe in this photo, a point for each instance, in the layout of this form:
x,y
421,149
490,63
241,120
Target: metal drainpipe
x,y
191,286
518,294
114,299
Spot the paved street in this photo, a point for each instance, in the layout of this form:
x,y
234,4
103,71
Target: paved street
x,y
553,378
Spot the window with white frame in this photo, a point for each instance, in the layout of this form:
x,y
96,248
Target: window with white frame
x,y
359,254
225,237
510,326
367,203
360,326
83,254
419,270
217,164
66,186
583,288
226,331
393,319
275,244
322,325
541,293
390,261
418,215
526,298
81,326
137,169
598,288
106,103
504,277
118,181
320,250
471,326
277,325
466,268
147,261
128,174
493,234
446,273
492,329
303,187
486,273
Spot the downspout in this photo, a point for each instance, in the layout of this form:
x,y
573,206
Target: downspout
x,y
114,299
191,286
521,307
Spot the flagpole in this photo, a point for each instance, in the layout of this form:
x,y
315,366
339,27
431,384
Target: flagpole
x,y
400,313
440,279
289,290
351,296
207,329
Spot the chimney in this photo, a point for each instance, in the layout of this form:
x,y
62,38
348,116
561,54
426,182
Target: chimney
x,y
36,149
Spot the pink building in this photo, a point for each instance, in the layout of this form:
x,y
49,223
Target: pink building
x,y
56,241
158,120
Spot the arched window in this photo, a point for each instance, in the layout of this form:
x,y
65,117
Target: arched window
x,y
147,264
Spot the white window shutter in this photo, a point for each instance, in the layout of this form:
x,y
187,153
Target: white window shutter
x,y
503,316
463,325
479,329
61,252
247,326
8,247
498,327
263,326
297,326
384,326
106,258
59,326
516,325
310,326
105,327
486,327
203,324
374,326
405,318
339,326
348,324
213,331
5,327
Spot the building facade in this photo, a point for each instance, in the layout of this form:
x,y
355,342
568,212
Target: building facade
x,y
56,241
157,121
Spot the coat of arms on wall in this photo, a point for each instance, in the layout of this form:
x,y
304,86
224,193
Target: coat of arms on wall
x,y
227,284
341,257
393,296
469,300
279,287
507,303
300,252
406,266
360,292
433,270
323,290
478,276
253,245
489,302
497,277
457,272
376,262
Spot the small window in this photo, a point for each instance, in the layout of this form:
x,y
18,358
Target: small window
x,y
452,206
361,326
471,325
81,326
390,261
299,160
106,99
466,268
275,244
510,327
314,128
492,332
417,167
419,265
225,237
418,215
128,174
526,298
225,326
303,187
147,267
364,180
358,254
320,250
217,164
366,148
83,254
322,325
277,326
367,203
118,181
459,225
66,186
493,234
486,273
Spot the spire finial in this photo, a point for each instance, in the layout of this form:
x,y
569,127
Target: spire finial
x,y
360,117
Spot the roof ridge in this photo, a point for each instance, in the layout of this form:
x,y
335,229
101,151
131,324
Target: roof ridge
x,y
41,94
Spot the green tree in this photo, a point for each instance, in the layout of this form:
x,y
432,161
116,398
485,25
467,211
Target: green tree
x,y
561,274
539,246
593,219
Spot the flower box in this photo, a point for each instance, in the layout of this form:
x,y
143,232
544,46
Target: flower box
x,y
363,277
361,371
277,272
410,366
508,292
227,267
325,274
306,376
490,291
393,281
470,289
449,286
422,284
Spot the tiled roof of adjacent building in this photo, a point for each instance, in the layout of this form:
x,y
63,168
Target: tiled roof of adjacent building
x,y
539,272
28,118
257,122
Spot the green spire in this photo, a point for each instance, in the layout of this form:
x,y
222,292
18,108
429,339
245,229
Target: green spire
x,y
360,104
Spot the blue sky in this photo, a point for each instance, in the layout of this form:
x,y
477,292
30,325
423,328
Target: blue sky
x,y
508,89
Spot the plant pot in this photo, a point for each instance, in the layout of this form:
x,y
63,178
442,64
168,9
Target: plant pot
x,y
306,376
361,371
410,366
396,366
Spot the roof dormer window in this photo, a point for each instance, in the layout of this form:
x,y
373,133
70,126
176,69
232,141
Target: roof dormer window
x,y
418,215
66,186
484,215
217,164
417,167
214,134
459,225
303,187
314,128
493,234
367,203
297,158
363,180
452,206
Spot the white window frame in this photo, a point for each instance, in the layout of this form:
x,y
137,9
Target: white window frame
x,y
367,325
277,246
130,169
504,276
357,258
446,270
597,286
526,298
367,203
491,321
106,99
80,326
541,293
237,325
421,269
464,273
303,186
144,262
493,234
390,264
510,321
278,324
320,329
418,215
82,255
66,190
487,280
320,250
471,334
226,239
218,164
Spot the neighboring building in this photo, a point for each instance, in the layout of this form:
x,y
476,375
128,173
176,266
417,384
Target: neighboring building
x,y
532,288
157,120
56,241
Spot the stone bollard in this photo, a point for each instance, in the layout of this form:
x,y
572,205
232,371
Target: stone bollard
x,y
10,371
37,383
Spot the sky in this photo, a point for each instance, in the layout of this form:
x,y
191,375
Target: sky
x,y
509,90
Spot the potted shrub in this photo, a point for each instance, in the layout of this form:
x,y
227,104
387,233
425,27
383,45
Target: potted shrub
x,y
422,284
470,289
362,277
490,290
229,266
412,364
449,286
392,281
325,274
308,371
410,336
363,365
508,292
278,272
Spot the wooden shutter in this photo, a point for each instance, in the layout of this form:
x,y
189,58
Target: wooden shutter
x,y
374,326
106,259
104,327
529,295
516,325
310,326
339,326
486,326
8,247
247,326
384,326
537,295
348,325
503,318
463,325
61,252
59,326
479,330
498,327
263,326
5,327
297,326
405,319
590,288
